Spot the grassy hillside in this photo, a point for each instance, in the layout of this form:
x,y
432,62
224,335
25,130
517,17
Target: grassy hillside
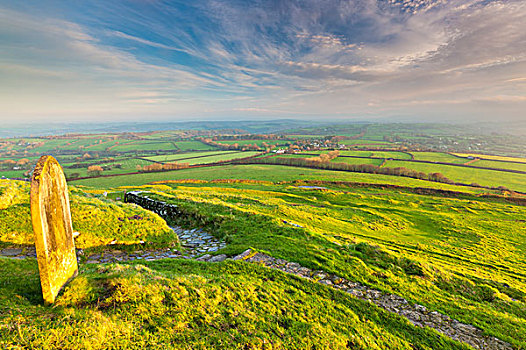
x,y
462,256
192,305
99,221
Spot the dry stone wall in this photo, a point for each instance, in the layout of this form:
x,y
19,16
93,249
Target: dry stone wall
x,y
159,207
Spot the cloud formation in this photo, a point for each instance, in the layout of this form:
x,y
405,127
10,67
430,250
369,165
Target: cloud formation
x,y
419,59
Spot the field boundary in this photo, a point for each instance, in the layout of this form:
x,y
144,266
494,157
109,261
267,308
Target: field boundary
x,y
430,162
253,162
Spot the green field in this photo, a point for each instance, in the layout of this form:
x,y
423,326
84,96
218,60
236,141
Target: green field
x,y
460,256
491,178
364,142
274,173
127,165
377,154
193,146
455,249
376,162
176,157
500,165
102,146
257,142
220,157
486,156
145,146
439,157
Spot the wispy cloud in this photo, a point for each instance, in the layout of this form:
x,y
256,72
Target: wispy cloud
x,y
330,58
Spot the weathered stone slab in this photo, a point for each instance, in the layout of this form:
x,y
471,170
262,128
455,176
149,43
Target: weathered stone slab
x,y
51,218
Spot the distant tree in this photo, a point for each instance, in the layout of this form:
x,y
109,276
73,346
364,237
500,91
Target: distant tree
x,y
95,170
9,162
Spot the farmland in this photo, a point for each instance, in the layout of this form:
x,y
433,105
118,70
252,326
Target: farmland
x,y
441,232
468,175
187,155
273,173
193,146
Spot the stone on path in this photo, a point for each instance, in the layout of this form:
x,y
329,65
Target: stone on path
x,y
204,257
243,255
217,258
11,251
51,218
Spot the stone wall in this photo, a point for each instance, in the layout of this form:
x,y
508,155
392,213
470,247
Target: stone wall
x,y
161,208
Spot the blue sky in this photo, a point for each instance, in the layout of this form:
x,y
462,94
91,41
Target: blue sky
x,y
311,59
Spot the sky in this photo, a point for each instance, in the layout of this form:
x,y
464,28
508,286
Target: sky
x,y
145,60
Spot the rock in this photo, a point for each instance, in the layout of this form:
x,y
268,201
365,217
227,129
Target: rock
x,y
11,251
327,282
204,257
420,308
243,255
218,258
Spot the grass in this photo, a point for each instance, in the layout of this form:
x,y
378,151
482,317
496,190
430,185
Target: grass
x,y
492,178
459,253
144,146
462,256
373,153
274,173
487,156
127,165
257,142
220,157
183,156
439,157
193,146
501,165
357,161
192,305
364,142
99,221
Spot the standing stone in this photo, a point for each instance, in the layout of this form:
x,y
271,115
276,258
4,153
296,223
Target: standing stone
x,y
51,218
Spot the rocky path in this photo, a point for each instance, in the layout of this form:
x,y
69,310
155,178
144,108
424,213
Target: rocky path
x,y
200,244
196,241
418,315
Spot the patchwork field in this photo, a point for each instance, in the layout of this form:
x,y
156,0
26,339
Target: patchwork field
x,y
454,249
468,175
273,173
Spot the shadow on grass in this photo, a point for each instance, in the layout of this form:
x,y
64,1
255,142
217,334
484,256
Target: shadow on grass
x,y
19,279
